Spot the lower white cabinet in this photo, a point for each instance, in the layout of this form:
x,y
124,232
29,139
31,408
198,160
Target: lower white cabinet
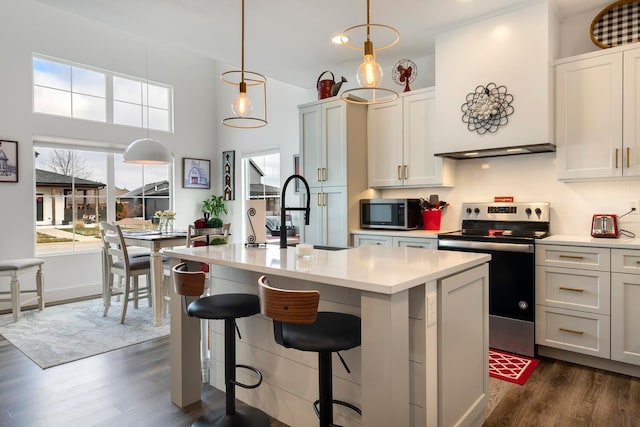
x,y
573,299
587,301
398,241
625,300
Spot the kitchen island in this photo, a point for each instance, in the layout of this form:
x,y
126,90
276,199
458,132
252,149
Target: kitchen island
x,y
424,354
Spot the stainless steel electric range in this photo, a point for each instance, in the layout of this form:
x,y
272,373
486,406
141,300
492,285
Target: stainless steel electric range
x,y
507,231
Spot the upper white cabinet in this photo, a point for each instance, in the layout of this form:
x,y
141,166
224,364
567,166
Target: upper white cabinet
x,y
401,143
333,143
597,110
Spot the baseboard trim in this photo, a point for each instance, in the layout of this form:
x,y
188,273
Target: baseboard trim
x,y
591,361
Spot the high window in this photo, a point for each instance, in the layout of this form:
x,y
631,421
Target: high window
x,y
77,187
78,91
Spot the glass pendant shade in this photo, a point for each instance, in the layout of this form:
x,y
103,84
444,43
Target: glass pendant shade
x,y
242,106
369,73
147,151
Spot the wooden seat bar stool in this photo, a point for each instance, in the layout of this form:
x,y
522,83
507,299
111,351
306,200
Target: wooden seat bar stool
x,y
227,307
14,268
298,324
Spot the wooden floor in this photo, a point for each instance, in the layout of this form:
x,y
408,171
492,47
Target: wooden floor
x,y
563,394
130,387
121,388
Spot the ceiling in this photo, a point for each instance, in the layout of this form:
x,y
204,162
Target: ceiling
x,y
289,40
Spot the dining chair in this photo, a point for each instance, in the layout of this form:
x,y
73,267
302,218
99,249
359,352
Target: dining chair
x,y
128,268
136,224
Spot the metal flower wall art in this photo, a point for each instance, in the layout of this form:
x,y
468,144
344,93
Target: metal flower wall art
x,y
486,109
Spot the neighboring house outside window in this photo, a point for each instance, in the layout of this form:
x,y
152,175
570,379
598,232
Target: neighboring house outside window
x,y
72,197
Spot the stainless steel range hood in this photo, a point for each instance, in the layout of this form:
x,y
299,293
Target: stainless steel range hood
x,y
499,152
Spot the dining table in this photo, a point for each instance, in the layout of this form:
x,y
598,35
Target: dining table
x,y
155,240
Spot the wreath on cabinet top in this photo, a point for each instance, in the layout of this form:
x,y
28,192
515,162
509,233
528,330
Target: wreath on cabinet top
x,y
487,108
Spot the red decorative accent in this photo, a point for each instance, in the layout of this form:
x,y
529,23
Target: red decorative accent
x,y
199,223
431,219
506,199
510,367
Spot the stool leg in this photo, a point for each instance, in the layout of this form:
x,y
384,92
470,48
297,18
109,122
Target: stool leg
x,y
230,365
40,287
325,388
15,295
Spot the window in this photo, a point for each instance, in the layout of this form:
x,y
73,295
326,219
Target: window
x,y
262,182
66,89
77,188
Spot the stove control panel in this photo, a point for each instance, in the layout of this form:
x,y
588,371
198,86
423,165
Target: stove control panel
x,y
512,211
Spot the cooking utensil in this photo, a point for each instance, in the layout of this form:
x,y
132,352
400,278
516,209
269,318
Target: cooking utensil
x,y
434,201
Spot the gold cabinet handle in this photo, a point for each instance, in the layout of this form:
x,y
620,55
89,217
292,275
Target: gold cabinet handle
x,y
415,246
399,169
324,174
571,289
571,331
319,197
571,256
325,198
406,172
628,155
617,158
318,172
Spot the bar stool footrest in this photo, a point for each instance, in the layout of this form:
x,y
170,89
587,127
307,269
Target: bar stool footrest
x,y
354,408
256,371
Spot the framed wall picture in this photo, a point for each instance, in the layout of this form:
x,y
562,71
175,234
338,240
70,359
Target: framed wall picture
x,y
8,161
196,173
229,175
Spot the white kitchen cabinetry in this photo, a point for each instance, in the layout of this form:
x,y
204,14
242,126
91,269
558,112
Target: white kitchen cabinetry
x,y
398,241
625,298
401,143
597,114
573,299
332,146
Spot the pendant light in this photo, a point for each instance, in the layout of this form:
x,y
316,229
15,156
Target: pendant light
x,y
369,74
242,106
147,151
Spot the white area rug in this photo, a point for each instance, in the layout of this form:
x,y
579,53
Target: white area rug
x,y
68,332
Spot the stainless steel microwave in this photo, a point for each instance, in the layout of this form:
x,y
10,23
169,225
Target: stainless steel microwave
x,y
395,214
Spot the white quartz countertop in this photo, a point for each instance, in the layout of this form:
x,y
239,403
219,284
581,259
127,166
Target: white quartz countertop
x,y
587,240
380,269
433,234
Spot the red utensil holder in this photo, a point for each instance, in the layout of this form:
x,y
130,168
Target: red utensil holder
x,y
431,219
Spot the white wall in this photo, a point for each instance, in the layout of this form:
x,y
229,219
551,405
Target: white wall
x,y
32,27
281,135
532,178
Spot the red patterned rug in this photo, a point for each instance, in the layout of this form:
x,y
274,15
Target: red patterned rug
x,y
510,367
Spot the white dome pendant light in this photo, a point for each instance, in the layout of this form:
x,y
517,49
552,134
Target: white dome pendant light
x,y
147,151
242,106
369,74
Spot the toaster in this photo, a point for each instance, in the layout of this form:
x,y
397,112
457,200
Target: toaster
x,y
605,225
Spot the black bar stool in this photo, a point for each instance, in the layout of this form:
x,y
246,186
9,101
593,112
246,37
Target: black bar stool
x,y
227,307
298,324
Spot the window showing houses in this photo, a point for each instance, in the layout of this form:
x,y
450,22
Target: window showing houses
x,y
78,91
76,189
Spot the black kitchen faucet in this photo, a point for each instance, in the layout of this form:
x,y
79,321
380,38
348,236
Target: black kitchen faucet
x,y
284,209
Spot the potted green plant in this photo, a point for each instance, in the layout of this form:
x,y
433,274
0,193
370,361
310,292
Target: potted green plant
x,y
212,208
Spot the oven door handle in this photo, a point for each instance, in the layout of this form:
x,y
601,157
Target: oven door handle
x,y
487,246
